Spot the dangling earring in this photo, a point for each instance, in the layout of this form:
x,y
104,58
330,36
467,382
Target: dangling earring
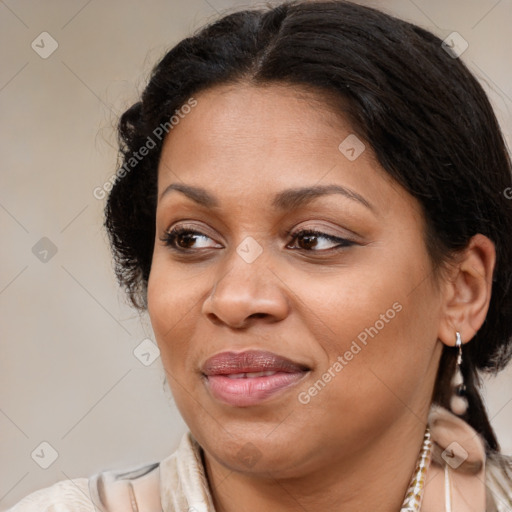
x,y
458,402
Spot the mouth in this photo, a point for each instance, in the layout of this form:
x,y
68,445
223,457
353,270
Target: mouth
x,y
242,379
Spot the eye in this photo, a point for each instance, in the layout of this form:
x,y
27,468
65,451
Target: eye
x,y
183,239
309,239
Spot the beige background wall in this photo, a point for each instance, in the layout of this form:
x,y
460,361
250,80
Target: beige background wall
x,y
68,375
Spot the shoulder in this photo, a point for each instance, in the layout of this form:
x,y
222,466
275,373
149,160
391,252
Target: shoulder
x,y
136,489
69,495
500,465
108,491
177,479
178,482
498,479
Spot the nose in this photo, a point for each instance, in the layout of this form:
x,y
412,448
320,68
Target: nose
x,y
245,293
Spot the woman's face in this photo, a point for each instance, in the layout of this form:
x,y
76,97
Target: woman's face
x,y
287,350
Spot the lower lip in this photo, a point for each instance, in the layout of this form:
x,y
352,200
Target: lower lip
x,y
252,390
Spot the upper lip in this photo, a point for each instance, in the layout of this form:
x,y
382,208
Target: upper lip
x,y
227,363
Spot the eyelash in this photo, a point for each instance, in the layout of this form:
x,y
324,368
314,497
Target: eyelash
x,y
170,237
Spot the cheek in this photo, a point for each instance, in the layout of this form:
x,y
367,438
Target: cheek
x,y
381,320
352,304
386,350
172,303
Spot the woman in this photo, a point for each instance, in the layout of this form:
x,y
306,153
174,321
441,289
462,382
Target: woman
x,y
312,206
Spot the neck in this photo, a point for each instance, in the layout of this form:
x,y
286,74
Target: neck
x,y
375,478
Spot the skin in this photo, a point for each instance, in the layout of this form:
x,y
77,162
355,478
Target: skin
x,y
355,444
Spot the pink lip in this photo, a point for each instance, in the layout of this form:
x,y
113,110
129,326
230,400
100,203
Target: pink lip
x,y
245,391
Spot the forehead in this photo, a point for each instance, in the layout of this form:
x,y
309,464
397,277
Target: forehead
x,y
245,113
251,139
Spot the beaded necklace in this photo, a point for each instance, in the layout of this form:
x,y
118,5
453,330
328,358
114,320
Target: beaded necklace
x,y
414,494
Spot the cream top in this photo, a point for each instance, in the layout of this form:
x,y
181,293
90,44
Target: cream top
x,y
178,483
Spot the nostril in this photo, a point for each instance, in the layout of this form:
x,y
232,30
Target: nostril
x,y
258,315
214,318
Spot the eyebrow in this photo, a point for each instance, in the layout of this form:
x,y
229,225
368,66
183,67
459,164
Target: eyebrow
x,y
289,199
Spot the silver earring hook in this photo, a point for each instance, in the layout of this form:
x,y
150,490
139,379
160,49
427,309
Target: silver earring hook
x,y
458,344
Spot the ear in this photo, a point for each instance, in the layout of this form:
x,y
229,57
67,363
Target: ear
x,y
468,291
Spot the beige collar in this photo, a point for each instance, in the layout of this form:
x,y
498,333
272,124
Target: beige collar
x,y
455,480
